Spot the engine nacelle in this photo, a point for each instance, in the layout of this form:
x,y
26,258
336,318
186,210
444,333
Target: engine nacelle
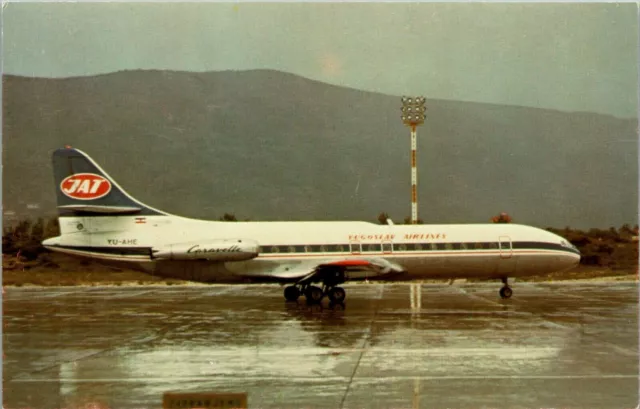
x,y
215,250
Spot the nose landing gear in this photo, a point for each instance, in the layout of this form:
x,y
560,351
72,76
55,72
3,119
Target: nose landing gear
x,y
505,291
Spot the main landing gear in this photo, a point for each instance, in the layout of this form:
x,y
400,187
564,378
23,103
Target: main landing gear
x,y
330,279
314,294
505,291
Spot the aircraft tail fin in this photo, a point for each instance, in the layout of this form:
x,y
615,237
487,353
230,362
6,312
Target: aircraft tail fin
x,y
83,188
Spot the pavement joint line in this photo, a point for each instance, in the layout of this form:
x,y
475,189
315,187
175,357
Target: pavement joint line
x,y
619,349
541,318
127,295
61,294
222,291
477,297
122,346
379,378
366,340
566,292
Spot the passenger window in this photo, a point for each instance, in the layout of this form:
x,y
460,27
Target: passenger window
x,y
418,246
274,249
402,247
478,246
292,249
307,249
387,247
340,248
448,246
323,249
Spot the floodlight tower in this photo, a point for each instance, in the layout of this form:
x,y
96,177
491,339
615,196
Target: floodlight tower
x,y
413,115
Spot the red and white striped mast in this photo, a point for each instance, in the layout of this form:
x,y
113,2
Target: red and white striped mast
x,y
413,115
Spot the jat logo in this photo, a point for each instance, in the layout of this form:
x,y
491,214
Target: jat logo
x,y
85,186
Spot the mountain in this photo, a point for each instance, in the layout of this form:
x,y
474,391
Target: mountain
x,y
269,145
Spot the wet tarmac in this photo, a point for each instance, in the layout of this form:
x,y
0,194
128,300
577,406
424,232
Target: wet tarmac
x,y
393,346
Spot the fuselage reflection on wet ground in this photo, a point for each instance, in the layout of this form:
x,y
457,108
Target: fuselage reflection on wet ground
x,y
551,345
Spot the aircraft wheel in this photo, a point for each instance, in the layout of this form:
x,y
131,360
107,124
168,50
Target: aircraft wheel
x,y
506,292
314,294
291,293
337,294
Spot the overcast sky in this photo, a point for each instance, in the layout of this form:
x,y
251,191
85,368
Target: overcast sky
x,y
571,57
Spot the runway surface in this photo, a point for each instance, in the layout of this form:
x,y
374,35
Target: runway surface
x,y
393,346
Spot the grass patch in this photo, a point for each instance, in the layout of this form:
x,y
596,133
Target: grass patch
x,y
70,271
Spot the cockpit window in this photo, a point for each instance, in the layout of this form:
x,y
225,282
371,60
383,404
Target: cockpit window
x,y
565,243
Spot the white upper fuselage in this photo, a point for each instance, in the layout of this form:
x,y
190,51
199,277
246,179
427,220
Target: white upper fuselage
x,y
439,251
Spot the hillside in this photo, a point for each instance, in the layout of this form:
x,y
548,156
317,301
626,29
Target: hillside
x,y
268,145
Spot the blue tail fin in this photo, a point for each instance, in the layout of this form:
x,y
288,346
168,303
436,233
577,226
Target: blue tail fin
x,y
84,189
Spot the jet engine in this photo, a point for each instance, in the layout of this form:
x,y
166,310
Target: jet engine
x,y
214,250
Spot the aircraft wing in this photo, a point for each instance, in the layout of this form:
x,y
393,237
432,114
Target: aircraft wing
x,y
312,270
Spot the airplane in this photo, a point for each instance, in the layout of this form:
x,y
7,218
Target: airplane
x,y
98,219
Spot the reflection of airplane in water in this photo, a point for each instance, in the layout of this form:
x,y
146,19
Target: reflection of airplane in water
x,y
99,219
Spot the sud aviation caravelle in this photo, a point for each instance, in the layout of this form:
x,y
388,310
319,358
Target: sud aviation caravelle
x,y
98,219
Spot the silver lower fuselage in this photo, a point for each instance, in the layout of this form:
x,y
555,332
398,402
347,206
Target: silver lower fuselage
x,y
480,266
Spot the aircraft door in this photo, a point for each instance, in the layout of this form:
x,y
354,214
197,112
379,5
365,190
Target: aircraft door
x,y
505,247
355,247
506,263
387,247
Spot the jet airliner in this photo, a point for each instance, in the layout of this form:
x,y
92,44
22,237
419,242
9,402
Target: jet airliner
x,y
98,219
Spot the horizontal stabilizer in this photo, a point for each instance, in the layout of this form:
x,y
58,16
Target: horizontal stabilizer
x,y
101,209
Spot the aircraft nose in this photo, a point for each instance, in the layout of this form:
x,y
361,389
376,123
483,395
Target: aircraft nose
x,y
570,261
576,259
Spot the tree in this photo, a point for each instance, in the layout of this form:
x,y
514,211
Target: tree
x,y
52,228
626,230
229,217
502,218
37,230
382,217
24,238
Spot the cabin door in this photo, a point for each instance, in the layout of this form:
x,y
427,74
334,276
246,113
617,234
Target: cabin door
x,y
505,247
506,263
355,247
